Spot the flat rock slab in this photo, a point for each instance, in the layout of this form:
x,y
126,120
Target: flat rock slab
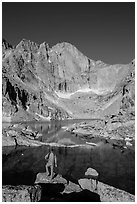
x,y
69,187
72,187
88,184
107,193
43,178
21,193
111,194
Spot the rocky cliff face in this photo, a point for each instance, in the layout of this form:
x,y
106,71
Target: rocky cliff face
x,y
39,82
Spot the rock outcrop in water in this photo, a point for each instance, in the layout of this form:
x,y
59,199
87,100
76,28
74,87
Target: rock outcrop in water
x,y
42,83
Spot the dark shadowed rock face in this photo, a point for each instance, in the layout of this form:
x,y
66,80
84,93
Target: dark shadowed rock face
x,y
45,83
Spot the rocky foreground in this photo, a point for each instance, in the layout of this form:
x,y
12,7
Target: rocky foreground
x,y
59,190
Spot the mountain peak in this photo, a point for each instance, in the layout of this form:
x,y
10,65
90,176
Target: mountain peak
x,y
65,78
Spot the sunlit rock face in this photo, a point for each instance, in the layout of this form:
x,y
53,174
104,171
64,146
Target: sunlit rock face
x,y
46,83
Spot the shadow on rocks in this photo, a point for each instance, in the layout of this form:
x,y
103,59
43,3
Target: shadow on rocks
x,y
18,178
54,193
83,196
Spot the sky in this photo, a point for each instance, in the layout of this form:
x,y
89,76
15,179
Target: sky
x,y
101,31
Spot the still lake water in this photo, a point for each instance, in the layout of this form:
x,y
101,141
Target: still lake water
x,y
54,132
115,167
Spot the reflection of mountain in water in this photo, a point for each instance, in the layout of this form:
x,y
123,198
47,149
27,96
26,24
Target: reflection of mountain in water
x,y
53,132
115,168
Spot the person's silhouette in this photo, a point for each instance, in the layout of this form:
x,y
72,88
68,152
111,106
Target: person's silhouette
x,y
52,161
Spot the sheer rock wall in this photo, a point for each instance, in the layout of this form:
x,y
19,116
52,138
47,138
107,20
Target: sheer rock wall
x,y
43,83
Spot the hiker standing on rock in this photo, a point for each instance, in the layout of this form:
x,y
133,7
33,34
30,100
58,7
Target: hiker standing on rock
x,y
52,161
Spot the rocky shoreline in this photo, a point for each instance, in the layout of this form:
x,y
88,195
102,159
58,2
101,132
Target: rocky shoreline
x,y
59,189
116,132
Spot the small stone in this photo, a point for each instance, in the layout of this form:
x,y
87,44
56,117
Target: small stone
x,y
12,133
128,139
38,135
91,172
128,143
